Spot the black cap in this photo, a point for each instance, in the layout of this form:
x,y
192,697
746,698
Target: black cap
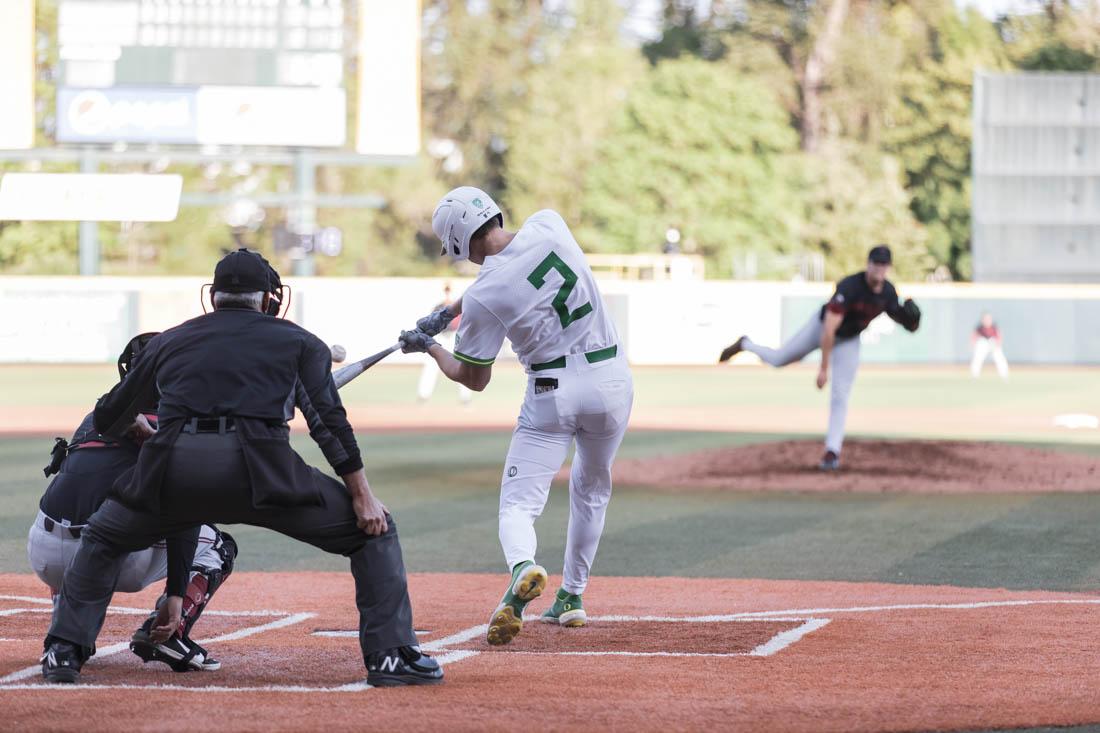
x,y
880,255
242,272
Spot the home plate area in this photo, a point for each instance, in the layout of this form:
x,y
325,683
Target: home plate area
x,y
285,651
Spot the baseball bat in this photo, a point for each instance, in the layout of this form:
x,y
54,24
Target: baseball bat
x,y
343,375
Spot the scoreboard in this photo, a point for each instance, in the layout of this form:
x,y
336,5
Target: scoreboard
x,y
237,72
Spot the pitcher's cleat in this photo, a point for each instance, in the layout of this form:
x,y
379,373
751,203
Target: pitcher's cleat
x,y
528,582
567,611
829,462
732,350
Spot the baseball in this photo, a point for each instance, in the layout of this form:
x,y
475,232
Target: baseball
x,y
339,353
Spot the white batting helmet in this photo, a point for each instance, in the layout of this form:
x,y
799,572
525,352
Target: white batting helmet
x,y
459,214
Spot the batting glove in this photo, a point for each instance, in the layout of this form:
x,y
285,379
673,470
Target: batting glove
x,y
437,322
413,342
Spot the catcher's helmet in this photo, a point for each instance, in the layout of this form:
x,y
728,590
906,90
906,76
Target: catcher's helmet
x,y
459,214
133,348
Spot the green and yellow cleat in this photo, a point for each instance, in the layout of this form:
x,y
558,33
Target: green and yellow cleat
x,y
567,611
528,582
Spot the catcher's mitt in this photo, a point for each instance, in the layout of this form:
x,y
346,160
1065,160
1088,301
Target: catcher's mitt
x,y
910,315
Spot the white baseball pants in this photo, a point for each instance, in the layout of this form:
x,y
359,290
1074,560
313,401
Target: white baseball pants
x,y
843,367
591,404
984,349
50,553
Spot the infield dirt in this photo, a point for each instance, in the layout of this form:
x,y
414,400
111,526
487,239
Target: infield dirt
x,y
876,657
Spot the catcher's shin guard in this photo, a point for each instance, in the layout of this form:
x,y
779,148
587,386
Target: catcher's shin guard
x,y
205,582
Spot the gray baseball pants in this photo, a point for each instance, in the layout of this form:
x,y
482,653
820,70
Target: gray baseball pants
x,y
843,366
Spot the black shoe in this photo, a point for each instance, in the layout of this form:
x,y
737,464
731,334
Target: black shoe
x,y
402,666
732,350
829,462
182,655
61,663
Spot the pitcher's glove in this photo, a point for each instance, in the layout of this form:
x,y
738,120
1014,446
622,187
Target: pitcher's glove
x,y
416,341
910,315
437,322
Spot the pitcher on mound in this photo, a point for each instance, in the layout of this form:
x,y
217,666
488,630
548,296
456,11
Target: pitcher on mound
x,y
535,288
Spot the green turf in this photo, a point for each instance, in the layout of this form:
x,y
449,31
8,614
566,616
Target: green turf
x,y
443,490
1047,391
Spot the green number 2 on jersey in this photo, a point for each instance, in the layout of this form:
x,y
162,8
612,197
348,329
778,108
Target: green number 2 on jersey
x,y
538,279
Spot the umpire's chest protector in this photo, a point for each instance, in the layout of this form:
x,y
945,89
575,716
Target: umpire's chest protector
x,y
279,477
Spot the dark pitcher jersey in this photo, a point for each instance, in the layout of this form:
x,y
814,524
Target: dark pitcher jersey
x,y
991,332
860,305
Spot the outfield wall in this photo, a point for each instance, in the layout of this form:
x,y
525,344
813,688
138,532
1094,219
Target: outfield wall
x,y
89,319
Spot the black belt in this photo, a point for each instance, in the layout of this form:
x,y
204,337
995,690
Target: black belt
x,y
209,425
48,525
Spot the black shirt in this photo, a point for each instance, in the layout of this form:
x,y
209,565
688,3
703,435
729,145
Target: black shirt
x,y
87,473
860,305
237,363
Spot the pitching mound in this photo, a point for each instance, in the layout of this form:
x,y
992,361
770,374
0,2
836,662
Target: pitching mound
x,y
875,466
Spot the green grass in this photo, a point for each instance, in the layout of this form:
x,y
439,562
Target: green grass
x,y
443,487
443,490
1049,390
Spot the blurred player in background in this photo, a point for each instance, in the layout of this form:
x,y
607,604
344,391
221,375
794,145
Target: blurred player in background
x,y
535,288
986,341
429,375
835,329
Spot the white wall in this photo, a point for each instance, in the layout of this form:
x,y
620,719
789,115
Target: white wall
x,y
89,319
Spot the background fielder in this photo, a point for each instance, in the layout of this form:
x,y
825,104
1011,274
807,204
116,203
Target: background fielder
x,y
429,373
536,289
986,341
835,329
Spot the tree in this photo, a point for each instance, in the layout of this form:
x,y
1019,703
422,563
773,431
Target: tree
x,y
854,199
704,150
476,63
930,125
554,133
805,34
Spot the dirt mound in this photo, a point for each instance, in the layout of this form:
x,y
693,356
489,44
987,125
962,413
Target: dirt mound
x,y
873,466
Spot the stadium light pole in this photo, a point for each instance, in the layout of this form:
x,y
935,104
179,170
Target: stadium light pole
x,y
88,231
305,178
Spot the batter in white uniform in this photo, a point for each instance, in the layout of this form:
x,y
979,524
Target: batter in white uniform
x,y
536,289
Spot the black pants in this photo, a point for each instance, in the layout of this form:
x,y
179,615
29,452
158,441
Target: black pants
x,y
208,482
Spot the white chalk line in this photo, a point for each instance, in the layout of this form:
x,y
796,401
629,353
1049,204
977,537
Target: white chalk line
x,y
22,674
124,610
26,599
457,638
784,639
801,614
351,633
45,687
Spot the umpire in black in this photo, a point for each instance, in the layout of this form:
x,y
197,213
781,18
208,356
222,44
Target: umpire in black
x,y
228,381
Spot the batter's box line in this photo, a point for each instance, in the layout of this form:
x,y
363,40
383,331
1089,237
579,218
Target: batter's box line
x,y
774,645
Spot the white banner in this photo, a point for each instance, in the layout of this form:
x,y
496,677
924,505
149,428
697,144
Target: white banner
x,y
272,116
89,197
